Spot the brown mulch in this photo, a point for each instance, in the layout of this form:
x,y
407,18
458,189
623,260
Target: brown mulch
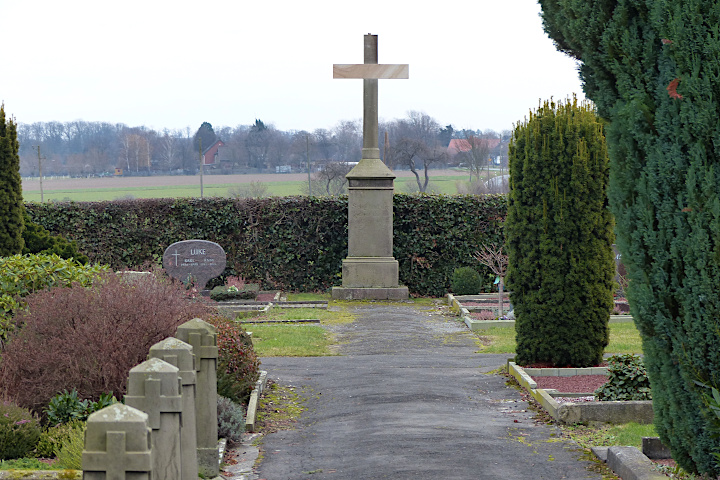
x,y
574,384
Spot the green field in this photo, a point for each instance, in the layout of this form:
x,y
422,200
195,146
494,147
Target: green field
x,y
439,184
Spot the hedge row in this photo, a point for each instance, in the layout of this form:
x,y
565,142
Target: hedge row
x,y
293,243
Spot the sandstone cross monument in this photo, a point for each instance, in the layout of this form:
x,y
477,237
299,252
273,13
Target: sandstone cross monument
x,y
370,271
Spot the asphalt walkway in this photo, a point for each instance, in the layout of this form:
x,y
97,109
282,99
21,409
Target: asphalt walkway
x,y
409,398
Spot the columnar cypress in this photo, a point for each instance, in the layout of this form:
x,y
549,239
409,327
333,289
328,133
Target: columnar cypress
x,y
11,202
653,69
559,236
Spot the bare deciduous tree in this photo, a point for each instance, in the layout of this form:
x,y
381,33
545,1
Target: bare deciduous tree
x,y
492,256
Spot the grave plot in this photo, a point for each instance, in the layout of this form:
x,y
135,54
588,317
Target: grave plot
x,y
577,404
480,312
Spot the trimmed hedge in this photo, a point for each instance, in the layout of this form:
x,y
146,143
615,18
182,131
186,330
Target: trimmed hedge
x,y
292,243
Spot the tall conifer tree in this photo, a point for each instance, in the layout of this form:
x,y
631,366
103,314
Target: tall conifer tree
x,y
11,201
559,236
652,67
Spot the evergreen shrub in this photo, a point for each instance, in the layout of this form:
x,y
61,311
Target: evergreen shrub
x,y
231,420
288,243
19,431
466,281
238,365
88,338
651,69
559,236
11,201
627,380
39,240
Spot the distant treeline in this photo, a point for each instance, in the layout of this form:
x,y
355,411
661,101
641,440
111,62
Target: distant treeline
x,y
81,148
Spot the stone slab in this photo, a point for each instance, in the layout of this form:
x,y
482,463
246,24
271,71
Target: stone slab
x,y
630,464
653,448
358,293
196,260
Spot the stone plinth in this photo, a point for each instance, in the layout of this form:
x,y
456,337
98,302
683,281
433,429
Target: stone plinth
x,y
180,354
117,444
370,271
153,387
203,338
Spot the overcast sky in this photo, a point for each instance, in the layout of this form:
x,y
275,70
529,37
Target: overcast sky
x,y
479,64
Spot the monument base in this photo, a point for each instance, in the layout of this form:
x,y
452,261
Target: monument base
x,y
370,272
370,278
376,293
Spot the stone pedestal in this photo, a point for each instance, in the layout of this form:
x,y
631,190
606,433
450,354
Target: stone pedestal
x,y
180,354
370,271
154,388
117,444
203,338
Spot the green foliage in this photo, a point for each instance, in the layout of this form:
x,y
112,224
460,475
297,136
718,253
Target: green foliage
x,y
222,293
238,366
69,456
66,407
231,420
290,243
11,201
627,380
559,236
19,431
39,240
52,439
21,275
466,281
651,69
25,464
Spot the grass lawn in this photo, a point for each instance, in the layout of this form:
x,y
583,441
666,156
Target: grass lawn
x,y
438,184
295,340
290,340
624,338
625,435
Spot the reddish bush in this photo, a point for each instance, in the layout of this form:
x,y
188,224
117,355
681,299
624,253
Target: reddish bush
x,y
238,365
89,338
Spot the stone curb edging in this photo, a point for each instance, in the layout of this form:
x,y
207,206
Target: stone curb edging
x,y
474,324
570,413
253,402
629,463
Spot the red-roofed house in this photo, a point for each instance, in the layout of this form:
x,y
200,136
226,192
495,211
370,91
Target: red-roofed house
x,y
211,153
458,145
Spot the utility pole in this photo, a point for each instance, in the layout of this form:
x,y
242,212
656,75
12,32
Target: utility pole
x,y
307,153
201,166
42,196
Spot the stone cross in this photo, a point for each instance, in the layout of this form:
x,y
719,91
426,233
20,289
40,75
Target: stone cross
x,y
370,72
370,271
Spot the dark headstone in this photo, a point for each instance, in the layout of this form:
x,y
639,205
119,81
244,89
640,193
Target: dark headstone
x,y
196,260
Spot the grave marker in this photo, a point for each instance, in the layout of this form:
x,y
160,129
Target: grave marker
x,y
370,270
196,260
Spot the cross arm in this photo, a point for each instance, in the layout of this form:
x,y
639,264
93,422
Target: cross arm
x,y
371,70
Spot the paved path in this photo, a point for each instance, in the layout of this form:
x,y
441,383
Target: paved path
x,y
410,399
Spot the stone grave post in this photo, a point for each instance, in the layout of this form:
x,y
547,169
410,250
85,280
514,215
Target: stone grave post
x,y
117,445
154,388
203,338
370,270
179,354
